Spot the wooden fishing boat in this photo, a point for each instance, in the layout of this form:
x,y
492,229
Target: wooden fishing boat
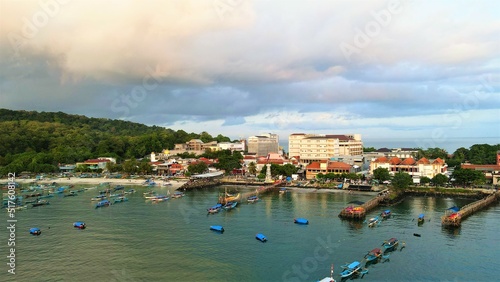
x,y
373,255
330,278
79,225
252,199
214,209
372,222
103,203
390,244
421,218
386,214
35,231
178,194
40,203
350,269
230,205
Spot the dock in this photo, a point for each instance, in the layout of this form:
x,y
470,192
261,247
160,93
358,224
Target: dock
x,y
358,212
263,189
454,218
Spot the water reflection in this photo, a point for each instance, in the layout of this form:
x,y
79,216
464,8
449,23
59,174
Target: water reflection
x,y
451,231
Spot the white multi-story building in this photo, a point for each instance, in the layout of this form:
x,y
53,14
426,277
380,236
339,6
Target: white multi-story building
x,y
263,144
318,147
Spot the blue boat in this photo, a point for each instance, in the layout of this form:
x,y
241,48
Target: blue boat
x,y
301,221
390,244
119,187
252,199
103,203
79,225
217,228
421,218
230,205
261,237
386,214
373,255
120,199
215,209
350,269
35,231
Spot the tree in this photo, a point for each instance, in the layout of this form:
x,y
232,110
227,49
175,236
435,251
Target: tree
x,y
440,179
425,180
197,168
252,168
381,174
468,176
401,180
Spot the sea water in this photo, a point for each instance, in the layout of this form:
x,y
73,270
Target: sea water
x,y
171,241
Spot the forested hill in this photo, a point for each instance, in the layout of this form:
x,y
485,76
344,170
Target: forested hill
x,y
38,141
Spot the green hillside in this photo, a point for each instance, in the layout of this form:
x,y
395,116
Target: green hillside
x,y
38,141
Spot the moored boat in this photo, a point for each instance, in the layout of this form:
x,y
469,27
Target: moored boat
x,y
330,278
372,222
35,231
390,244
217,228
421,218
373,255
79,225
230,205
252,199
40,203
350,269
386,214
103,203
301,221
261,237
178,194
120,199
214,209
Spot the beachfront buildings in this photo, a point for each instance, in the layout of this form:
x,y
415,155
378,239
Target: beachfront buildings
x,y
198,147
326,167
415,168
311,148
262,145
490,171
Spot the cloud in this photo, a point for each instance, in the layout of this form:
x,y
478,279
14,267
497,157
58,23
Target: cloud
x,y
254,66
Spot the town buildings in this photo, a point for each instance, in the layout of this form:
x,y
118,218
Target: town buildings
x,y
263,144
491,171
311,148
415,168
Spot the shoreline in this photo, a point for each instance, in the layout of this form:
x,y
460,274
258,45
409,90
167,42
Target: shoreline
x,y
96,181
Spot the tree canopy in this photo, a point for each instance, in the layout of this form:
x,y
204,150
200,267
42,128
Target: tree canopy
x,y
39,141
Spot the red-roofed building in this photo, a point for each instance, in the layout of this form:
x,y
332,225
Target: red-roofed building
x,y
417,169
325,167
491,171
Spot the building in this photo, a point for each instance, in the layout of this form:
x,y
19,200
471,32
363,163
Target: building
x,y
94,164
416,169
261,145
326,167
241,146
491,171
320,147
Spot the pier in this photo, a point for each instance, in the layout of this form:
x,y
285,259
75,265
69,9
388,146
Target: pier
x,y
263,189
359,211
453,218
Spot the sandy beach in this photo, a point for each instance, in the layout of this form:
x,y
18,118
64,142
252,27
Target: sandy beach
x,y
95,181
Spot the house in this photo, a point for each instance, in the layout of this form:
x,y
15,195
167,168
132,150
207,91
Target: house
x,y
326,167
490,171
416,169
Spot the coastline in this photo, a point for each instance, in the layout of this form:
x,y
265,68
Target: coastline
x,y
96,181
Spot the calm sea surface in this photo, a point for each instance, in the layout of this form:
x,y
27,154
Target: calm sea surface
x,y
171,241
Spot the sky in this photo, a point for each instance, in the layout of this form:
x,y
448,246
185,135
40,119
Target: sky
x,y
400,73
